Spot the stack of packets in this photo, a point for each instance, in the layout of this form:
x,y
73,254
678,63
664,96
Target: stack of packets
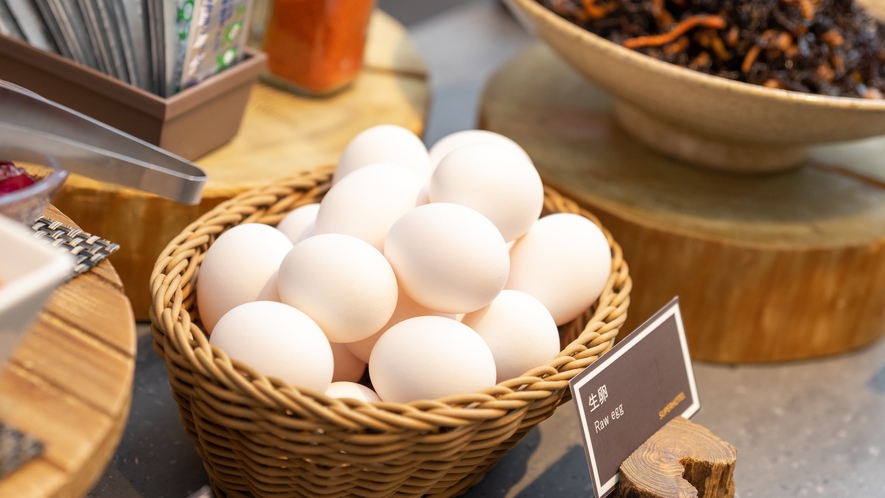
x,y
161,46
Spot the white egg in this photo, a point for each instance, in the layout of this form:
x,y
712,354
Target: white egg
x,y
367,203
518,330
278,341
362,349
342,282
469,137
497,181
430,357
270,292
448,257
405,308
353,391
384,144
236,269
299,224
564,261
347,366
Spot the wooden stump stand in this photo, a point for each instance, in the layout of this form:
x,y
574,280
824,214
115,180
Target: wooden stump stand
x,y
767,267
681,460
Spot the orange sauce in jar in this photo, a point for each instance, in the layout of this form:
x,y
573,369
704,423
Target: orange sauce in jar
x,y
316,46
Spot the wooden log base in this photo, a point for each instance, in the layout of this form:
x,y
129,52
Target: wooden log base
x,y
681,460
768,267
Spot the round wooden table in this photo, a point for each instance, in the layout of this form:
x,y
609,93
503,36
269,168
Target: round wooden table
x,y
767,267
69,384
281,134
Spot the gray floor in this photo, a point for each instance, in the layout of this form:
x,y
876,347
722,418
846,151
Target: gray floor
x,y
801,429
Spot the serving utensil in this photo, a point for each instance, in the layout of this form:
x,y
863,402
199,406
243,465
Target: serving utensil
x,y
33,129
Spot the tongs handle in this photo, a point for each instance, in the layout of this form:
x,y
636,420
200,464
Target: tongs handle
x,y
32,128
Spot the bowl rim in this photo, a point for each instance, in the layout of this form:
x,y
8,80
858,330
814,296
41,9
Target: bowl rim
x,y
536,11
45,185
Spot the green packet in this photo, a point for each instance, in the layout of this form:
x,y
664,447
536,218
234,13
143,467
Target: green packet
x,y
216,38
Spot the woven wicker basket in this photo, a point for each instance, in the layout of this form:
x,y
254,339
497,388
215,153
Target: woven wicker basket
x,y
259,436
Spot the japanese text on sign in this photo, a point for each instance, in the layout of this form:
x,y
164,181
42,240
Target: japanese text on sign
x,y
598,398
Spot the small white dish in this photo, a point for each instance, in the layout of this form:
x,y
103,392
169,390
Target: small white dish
x,y
29,272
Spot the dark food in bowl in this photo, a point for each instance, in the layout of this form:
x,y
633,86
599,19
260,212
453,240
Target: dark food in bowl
x,y
828,47
13,178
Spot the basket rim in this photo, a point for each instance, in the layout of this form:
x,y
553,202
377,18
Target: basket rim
x,y
173,282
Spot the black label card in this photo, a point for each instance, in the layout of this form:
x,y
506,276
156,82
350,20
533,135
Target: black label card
x,y
629,393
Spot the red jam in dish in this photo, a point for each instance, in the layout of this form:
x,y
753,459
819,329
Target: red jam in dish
x,y
13,178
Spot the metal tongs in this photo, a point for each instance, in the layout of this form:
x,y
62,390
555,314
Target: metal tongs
x,y
33,128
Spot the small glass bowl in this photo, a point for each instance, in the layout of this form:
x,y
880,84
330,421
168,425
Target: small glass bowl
x,y
27,204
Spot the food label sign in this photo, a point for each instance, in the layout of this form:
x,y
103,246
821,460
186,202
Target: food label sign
x,y
632,391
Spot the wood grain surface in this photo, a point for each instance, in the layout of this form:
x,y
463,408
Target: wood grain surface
x,y
682,460
280,135
767,267
69,384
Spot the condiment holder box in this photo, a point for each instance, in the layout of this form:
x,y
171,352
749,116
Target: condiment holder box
x,y
29,271
189,124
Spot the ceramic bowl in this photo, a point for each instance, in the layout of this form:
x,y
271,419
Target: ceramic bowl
x,y
703,119
29,271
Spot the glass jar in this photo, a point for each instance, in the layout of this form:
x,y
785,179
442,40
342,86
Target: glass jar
x,y
315,46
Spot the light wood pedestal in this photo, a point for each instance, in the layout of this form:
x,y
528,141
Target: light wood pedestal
x,y
767,267
280,135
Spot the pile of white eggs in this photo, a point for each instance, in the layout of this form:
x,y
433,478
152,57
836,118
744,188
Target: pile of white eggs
x,y
431,269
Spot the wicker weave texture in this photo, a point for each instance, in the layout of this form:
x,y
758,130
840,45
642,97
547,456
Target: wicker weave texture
x,y
259,436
